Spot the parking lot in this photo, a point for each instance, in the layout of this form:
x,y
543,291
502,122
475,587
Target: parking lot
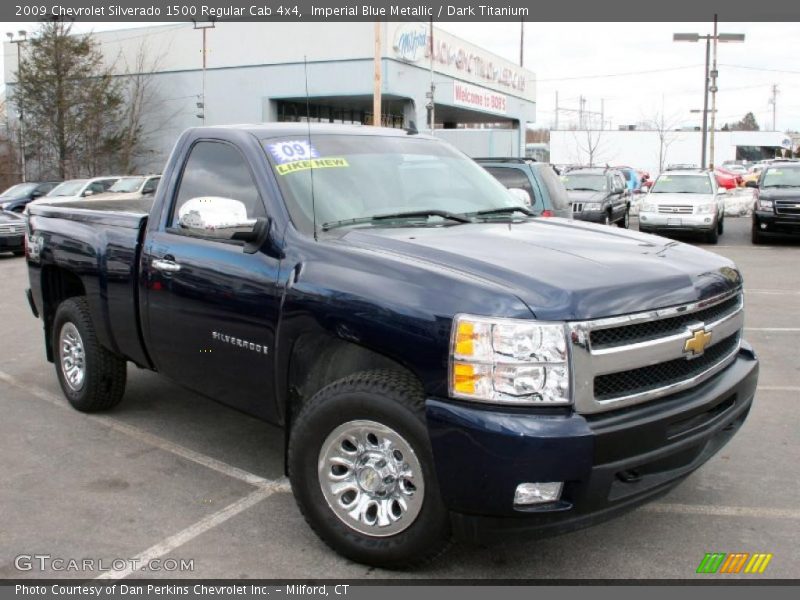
x,y
169,474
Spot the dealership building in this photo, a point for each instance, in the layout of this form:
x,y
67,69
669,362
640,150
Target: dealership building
x,y
258,71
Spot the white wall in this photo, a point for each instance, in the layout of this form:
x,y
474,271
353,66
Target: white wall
x,y
483,142
640,149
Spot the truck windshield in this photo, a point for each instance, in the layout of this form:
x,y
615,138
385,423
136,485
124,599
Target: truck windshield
x,y
682,184
356,177
127,185
776,178
68,188
19,191
589,182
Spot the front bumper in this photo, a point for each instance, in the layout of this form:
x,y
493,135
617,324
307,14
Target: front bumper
x,y
609,462
686,222
769,222
593,216
10,243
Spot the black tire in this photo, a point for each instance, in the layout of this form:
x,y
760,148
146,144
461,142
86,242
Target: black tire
x,y
626,219
608,219
392,399
756,236
712,237
721,226
19,252
105,373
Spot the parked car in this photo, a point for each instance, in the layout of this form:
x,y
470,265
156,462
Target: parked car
x,y
777,201
17,196
728,179
545,192
752,175
687,201
443,362
598,195
130,187
633,180
12,233
74,189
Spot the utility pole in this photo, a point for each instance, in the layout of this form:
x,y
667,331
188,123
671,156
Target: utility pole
x,y
521,42
581,104
602,113
774,102
23,36
705,106
556,124
376,92
430,95
714,88
202,103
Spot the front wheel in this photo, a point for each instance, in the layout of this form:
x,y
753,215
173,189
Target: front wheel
x,y
625,222
756,236
362,471
91,377
712,237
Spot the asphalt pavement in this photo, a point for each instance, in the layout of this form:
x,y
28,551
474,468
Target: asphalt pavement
x,y
171,475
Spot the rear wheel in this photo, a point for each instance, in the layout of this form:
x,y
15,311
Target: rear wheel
x,y
362,471
91,377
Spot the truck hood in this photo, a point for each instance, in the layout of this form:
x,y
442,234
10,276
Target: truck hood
x,y
779,194
679,199
564,269
585,196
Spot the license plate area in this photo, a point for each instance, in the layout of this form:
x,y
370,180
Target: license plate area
x,y
673,222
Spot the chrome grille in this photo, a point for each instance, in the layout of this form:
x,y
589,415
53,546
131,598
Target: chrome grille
x,y
651,330
675,210
668,373
783,207
12,228
621,361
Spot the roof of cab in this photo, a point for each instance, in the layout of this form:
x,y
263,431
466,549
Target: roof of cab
x,y
271,130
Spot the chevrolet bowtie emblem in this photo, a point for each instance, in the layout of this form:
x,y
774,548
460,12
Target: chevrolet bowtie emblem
x,y
698,342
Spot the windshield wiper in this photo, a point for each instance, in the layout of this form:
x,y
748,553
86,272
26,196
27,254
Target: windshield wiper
x,y
583,190
401,215
781,185
504,210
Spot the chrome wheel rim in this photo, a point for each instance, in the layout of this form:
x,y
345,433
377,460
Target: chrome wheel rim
x,y
371,478
72,356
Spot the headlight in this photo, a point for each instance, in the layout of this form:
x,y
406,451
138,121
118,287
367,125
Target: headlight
x,y
764,204
509,361
648,207
706,209
591,206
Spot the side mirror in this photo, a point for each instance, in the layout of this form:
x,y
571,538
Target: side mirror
x,y
522,195
751,184
222,219
36,194
87,193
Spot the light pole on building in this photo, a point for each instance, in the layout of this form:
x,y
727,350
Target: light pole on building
x,y
23,37
203,26
709,81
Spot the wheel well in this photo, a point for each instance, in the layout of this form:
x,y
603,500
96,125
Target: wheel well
x,y
318,361
57,285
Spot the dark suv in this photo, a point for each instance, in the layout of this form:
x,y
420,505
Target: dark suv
x,y
17,196
547,194
598,195
777,200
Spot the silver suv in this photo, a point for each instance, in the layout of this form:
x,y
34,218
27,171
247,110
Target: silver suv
x,y
685,200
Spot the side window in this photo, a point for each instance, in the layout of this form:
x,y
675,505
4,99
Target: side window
x,y
513,178
219,170
150,186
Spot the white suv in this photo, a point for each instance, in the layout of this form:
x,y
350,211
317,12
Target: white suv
x,y
685,200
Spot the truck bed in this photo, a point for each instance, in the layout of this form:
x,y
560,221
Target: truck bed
x,y
100,244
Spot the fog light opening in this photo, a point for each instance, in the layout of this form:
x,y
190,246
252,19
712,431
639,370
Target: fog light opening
x,y
538,493
629,476
763,225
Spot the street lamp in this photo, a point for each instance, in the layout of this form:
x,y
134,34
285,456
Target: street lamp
x,y
23,36
712,75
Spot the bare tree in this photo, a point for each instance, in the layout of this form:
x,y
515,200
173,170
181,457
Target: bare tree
x,y
590,144
665,126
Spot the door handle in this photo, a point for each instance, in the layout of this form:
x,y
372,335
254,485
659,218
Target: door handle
x,y
168,266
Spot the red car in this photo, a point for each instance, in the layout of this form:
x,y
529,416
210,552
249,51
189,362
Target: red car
x,y
727,179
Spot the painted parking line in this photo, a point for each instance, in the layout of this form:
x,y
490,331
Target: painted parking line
x,y
145,437
722,511
774,329
169,544
774,292
779,388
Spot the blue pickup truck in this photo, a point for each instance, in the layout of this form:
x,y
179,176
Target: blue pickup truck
x,y
444,363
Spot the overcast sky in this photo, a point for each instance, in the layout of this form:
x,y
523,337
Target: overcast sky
x,y
635,68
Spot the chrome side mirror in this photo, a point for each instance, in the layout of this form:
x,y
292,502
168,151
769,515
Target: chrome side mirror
x,y
217,218
522,195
